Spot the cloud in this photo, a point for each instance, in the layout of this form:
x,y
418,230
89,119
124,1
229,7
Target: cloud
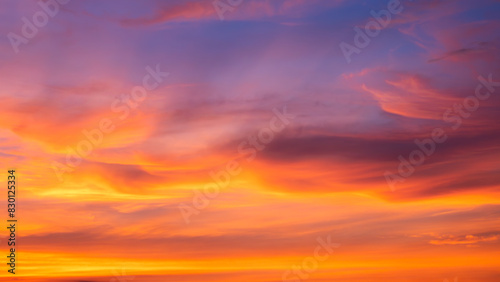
x,y
186,10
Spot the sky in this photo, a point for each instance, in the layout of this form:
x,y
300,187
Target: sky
x,y
251,140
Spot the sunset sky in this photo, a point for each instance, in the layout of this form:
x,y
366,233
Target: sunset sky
x,y
228,140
